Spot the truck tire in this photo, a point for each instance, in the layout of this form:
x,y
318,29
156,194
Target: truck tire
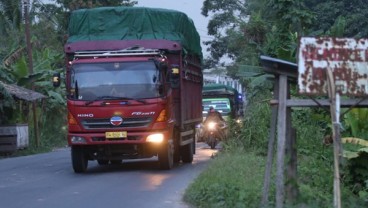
x,y
166,156
116,162
176,147
79,159
187,153
177,154
103,162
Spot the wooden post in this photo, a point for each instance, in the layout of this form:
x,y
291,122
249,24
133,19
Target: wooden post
x,y
271,144
291,152
334,109
291,185
281,135
30,67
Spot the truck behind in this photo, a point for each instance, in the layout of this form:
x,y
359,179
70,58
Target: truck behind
x,y
225,99
134,85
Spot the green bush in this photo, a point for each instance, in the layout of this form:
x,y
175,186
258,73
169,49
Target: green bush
x,y
253,134
233,179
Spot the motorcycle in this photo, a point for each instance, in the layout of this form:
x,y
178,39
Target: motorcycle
x,y
213,132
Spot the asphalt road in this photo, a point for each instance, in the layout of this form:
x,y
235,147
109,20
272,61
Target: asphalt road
x,y
47,180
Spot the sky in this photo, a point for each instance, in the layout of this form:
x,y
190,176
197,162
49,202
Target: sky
x,y
192,8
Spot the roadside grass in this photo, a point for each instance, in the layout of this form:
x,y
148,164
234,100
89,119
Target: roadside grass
x,y
232,179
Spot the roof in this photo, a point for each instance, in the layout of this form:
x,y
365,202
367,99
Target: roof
x,y
134,23
278,66
21,92
218,89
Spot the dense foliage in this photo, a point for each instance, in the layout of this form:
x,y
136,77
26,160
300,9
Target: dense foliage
x,y
48,23
245,29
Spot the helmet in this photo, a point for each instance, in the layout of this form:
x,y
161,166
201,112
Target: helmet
x,y
212,109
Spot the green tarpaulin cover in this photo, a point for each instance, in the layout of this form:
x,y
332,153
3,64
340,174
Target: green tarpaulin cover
x,y
219,88
134,23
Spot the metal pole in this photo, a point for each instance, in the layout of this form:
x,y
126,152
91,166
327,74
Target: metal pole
x,y
30,65
335,114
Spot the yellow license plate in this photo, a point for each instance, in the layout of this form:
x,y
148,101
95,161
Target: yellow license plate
x,y
116,134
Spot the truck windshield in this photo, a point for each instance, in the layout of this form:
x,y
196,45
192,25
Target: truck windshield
x,y
135,80
222,105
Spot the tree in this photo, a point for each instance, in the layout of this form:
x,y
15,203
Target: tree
x,y
227,18
274,28
81,4
10,13
10,21
353,11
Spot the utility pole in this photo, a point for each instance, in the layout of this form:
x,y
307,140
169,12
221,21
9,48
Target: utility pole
x,y
30,65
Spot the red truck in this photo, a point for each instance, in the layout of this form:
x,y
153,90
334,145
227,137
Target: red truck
x,y
134,85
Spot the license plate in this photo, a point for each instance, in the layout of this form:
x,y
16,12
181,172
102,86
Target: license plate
x,y
116,135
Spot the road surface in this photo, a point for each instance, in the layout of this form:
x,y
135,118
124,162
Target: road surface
x,y
47,180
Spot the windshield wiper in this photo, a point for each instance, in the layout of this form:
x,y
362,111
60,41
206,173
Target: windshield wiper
x,y
107,97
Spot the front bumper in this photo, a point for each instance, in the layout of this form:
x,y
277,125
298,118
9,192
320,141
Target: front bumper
x,y
100,138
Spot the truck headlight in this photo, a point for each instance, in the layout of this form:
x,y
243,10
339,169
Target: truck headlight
x,y
155,138
78,140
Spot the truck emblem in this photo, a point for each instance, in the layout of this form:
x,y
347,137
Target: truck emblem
x,y
116,120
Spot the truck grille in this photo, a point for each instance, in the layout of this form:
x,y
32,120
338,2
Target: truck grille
x,y
104,123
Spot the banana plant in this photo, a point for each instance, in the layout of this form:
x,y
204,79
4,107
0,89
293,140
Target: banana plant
x,y
356,149
356,121
357,169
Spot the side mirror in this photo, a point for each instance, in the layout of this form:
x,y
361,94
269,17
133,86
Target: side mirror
x,y
175,77
160,88
56,79
163,66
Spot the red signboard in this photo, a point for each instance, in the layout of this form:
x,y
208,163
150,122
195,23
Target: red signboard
x,y
346,57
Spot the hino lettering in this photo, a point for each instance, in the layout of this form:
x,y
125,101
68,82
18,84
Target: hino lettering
x,y
86,115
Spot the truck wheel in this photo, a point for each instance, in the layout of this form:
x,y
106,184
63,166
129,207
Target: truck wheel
x,y
187,153
176,153
116,162
79,160
176,147
103,162
166,156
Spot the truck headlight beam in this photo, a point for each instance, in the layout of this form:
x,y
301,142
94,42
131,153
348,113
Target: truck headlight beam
x,y
155,138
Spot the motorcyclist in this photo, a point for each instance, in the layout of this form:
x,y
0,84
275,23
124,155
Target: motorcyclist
x,y
215,116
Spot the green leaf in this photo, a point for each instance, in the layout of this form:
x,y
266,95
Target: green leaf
x,y
350,155
56,96
21,69
24,81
